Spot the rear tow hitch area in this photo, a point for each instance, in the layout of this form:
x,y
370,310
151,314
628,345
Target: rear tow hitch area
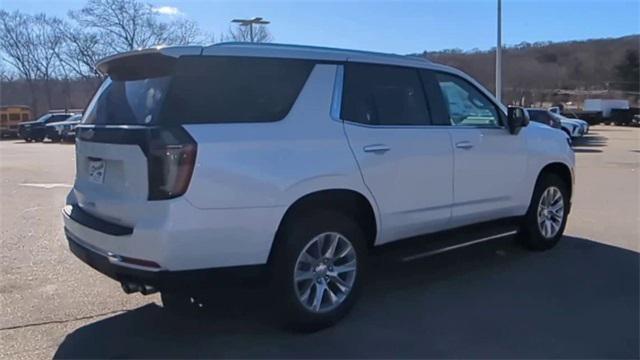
x,y
130,288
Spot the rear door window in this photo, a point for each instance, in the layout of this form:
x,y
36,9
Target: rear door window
x,y
383,95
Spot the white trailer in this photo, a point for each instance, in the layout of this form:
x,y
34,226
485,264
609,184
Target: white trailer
x,y
604,106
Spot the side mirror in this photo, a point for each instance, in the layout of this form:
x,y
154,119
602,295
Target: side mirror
x,y
517,118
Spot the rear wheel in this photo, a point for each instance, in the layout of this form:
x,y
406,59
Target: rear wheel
x,y
319,268
547,215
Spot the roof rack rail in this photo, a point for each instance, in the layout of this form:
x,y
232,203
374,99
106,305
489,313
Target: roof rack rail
x,y
322,48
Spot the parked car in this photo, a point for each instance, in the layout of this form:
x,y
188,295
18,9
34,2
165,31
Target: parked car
x,y
36,130
572,127
584,125
10,118
63,130
291,164
544,117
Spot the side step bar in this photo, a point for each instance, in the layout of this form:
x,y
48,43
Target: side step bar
x,y
432,244
453,247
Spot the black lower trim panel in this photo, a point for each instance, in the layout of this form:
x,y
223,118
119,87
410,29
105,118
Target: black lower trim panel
x,y
193,280
85,219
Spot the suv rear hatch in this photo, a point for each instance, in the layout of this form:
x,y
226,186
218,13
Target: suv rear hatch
x,y
126,156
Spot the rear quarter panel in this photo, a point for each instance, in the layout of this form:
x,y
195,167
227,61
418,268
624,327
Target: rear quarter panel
x,y
244,165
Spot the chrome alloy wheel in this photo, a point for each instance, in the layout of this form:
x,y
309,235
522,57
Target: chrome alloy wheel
x,y
550,212
325,272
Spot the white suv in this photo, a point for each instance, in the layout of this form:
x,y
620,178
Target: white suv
x,y
197,165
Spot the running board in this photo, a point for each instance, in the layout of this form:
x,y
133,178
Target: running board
x,y
437,243
453,247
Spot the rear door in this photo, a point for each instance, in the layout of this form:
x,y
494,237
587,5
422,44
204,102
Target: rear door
x,y
406,163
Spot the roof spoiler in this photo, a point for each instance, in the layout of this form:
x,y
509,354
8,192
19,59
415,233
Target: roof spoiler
x,y
130,58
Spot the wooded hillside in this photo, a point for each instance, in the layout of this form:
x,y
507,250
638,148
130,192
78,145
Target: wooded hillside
x,y
564,71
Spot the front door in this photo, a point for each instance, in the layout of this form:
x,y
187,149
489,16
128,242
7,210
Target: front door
x,y
490,163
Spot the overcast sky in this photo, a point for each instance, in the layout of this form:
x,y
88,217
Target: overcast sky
x,y
397,26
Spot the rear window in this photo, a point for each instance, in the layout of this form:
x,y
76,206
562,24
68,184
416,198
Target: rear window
x,y
127,102
202,90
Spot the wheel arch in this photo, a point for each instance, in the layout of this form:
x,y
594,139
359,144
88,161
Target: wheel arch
x,y
350,202
560,169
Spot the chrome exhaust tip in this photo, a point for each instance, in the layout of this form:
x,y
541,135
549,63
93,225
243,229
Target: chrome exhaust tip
x,y
130,288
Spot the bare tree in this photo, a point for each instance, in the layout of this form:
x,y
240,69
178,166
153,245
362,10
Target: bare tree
x,y
17,45
80,52
240,33
48,43
184,32
130,24
28,44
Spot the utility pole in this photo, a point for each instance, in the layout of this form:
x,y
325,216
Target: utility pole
x,y
250,23
499,55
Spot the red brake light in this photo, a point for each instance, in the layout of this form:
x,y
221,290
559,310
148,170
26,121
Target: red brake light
x,y
171,159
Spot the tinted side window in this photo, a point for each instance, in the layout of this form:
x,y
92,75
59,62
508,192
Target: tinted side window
x,y
383,95
56,118
466,104
234,89
539,116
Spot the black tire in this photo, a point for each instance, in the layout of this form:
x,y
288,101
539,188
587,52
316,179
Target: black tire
x,y
179,303
291,241
530,233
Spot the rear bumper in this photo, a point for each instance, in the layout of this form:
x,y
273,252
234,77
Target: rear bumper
x,y
174,235
112,266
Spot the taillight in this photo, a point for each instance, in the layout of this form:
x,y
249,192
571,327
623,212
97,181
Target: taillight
x,y
171,158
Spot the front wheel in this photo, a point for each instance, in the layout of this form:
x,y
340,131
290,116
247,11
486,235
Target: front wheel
x,y
319,268
547,215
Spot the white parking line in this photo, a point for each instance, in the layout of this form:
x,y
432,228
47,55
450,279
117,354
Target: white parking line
x,y
48,186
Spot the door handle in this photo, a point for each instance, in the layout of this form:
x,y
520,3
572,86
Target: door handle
x,y
464,145
377,148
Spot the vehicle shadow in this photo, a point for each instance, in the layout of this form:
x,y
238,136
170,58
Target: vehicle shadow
x,y
582,150
590,140
491,300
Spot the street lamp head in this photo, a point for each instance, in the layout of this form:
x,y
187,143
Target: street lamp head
x,y
255,20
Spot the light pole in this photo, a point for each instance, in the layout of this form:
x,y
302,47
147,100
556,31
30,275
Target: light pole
x,y
499,55
250,23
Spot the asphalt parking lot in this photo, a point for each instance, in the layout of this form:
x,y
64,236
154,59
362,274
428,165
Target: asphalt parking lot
x,y
579,300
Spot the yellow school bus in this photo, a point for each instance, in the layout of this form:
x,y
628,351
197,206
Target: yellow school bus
x,y
11,116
